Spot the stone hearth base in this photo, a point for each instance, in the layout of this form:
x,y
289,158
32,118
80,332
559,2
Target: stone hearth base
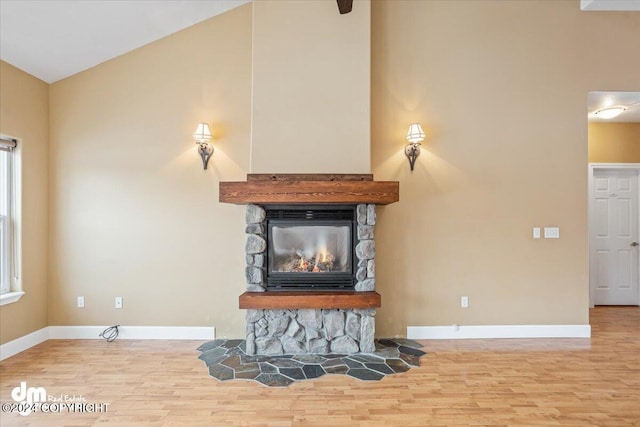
x,y
227,360
309,331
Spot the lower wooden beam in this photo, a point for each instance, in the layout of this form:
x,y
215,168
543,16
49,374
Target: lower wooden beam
x,y
313,299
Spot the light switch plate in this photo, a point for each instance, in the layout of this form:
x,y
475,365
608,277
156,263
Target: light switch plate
x,y
536,232
551,232
80,302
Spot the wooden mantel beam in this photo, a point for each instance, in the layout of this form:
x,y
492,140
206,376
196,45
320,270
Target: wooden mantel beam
x,y
309,189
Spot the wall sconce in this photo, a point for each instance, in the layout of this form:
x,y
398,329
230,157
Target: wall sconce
x,y
415,136
202,135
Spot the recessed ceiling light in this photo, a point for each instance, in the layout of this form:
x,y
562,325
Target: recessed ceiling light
x,y
610,112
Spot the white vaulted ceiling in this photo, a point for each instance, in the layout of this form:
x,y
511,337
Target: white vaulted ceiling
x,y
610,5
54,39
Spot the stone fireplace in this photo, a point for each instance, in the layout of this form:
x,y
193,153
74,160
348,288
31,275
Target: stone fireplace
x,y
310,261
293,247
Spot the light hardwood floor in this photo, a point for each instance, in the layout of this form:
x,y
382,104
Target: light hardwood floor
x,y
534,382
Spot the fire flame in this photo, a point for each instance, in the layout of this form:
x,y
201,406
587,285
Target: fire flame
x,y
316,264
320,257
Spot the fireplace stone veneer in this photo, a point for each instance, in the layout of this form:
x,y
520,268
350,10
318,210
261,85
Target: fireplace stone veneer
x,y
318,331
310,321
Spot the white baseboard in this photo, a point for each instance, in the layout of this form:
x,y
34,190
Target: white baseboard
x,y
93,332
498,331
23,343
134,332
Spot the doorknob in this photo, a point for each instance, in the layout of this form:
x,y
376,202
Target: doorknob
x,y
635,244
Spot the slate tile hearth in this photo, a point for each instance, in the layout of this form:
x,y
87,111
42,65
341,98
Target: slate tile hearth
x,y
227,360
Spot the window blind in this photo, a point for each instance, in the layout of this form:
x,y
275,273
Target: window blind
x,y
9,250
7,144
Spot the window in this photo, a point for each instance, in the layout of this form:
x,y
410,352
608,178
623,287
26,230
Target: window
x,y
9,204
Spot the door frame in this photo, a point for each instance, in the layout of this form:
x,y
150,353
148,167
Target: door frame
x,y
593,167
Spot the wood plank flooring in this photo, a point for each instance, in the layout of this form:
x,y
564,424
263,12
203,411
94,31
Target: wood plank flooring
x,y
533,382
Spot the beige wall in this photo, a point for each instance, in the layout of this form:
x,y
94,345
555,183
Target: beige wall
x,y
311,87
133,214
614,142
24,114
501,89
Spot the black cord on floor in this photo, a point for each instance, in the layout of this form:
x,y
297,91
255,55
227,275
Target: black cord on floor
x,y
111,333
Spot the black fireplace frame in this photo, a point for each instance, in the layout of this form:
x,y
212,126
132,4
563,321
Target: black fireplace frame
x,y
311,215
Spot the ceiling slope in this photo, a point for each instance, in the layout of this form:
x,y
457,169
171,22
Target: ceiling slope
x,y
54,39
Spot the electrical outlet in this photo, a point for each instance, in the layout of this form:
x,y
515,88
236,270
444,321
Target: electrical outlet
x,y
80,302
536,232
118,302
464,302
551,232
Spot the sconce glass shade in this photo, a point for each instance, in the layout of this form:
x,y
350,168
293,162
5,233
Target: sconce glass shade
x,y
610,112
202,133
415,134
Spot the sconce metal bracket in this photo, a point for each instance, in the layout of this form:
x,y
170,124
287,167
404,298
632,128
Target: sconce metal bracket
x,y
205,150
412,151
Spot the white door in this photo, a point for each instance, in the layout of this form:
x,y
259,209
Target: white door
x,y
614,238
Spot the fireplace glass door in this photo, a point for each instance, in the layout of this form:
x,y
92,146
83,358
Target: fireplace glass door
x,y
310,249
310,254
